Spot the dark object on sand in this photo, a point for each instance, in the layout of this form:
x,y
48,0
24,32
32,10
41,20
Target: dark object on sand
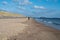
x,y
28,18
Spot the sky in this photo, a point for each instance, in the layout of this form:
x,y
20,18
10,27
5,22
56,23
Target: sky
x,y
34,8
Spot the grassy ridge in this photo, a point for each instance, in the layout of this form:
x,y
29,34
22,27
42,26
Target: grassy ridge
x,y
9,14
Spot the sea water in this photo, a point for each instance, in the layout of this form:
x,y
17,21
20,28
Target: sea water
x,y
50,22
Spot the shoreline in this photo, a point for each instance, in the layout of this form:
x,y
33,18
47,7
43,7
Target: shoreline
x,y
37,31
18,28
48,25
30,19
27,17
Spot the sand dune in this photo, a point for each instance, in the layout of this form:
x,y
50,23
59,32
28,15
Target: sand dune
x,y
8,14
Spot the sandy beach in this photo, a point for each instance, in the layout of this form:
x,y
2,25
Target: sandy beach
x,y
24,29
14,27
29,19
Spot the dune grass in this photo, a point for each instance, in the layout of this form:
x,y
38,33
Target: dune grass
x,y
10,14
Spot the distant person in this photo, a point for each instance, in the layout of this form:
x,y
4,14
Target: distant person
x,y
28,18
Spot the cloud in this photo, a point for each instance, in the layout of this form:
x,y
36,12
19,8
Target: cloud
x,y
39,7
19,7
15,0
49,0
4,2
27,2
23,2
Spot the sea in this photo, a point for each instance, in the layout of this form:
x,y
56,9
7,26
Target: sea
x,y
50,22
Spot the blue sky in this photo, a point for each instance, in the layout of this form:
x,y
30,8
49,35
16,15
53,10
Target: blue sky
x,y
36,8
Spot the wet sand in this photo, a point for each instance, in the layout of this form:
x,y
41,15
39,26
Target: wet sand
x,y
24,29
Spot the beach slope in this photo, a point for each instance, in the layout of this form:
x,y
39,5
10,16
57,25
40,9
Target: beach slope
x,y
24,29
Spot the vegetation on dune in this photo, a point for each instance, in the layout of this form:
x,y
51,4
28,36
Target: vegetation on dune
x,y
9,14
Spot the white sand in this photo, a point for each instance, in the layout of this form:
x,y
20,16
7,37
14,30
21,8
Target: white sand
x,y
10,27
23,29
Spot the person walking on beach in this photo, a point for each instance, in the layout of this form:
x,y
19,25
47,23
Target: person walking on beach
x,y
28,18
